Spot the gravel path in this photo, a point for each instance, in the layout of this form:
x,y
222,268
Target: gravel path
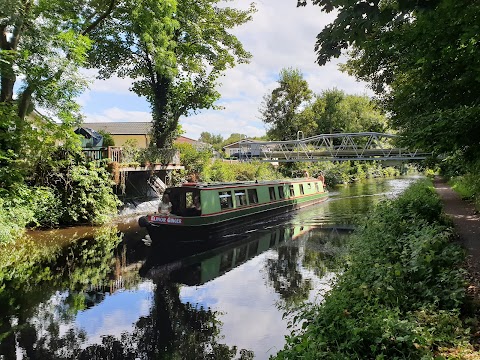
x,y
467,228
466,222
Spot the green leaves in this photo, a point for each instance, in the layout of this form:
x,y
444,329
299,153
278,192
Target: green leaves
x,y
419,57
290,108
401,295
174,51
282,108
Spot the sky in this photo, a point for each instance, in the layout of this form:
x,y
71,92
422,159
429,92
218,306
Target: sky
x,y
279,36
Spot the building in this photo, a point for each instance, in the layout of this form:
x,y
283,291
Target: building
x,y
123,131
243,148
139,131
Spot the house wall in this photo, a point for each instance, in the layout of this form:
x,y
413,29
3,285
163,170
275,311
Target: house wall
x,y
142,140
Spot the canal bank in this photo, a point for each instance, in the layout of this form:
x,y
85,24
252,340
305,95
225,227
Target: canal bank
x,y
402,294
466,222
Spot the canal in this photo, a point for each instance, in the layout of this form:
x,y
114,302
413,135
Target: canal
x,y
104,294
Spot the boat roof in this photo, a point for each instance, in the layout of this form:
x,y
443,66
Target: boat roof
x,y
218,185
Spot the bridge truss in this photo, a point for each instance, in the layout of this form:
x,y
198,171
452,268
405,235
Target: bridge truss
x,y
365,146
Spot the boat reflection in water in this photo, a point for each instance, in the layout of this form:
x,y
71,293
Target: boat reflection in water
x,y
200,262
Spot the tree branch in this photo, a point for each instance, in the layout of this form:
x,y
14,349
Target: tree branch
x,y
102,17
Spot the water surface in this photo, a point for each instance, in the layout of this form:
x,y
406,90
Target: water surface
x,y
99,301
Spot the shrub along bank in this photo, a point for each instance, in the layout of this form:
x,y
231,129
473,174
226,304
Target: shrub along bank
x,y
67,191
343,172
400,295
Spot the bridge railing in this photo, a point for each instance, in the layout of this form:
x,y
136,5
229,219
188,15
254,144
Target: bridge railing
x,y
334,147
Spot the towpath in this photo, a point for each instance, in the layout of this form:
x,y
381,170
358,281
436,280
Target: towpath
x,y
466,222
467,227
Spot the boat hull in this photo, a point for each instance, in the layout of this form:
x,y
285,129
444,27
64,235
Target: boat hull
x,y
171,229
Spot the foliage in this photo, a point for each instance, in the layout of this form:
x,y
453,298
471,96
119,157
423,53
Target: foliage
x,y
426,74
194,160
282,108
468,186
174,50
130,151
84,188
290,108
24,206
341,172
400,295
334,111
13,220
41,53
87,194
154,155
107,138
42,47
212,139
239,171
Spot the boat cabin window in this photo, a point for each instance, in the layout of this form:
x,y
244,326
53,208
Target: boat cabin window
x,y
189,199
240,198
225,199
309,186
281,194
252,196
271,190
292,191
301,189
316,187
185,202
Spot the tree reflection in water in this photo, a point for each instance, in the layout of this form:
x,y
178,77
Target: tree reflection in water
x,y
314,248
284,272
38,302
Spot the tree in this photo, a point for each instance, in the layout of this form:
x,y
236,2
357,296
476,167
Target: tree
x,y
211,139
337,112
175,51
234,138
282,109
42,46
421,58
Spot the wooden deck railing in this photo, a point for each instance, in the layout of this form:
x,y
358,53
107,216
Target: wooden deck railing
x,y
115,154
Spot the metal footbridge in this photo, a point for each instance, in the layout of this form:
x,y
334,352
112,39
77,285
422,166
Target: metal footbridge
x,y
364,146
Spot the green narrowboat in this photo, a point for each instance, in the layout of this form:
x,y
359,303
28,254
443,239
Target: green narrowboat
x,y
224,206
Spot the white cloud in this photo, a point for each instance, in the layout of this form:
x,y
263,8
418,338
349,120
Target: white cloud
x,y
118,115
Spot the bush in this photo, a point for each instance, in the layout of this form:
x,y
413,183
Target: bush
x,y
400,295
23,207
238,171
13,220
87,194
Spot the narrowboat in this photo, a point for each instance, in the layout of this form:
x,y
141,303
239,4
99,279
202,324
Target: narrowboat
x,y
224,206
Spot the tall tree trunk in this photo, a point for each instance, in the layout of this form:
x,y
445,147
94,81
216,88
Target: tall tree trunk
x,y
7,75
162,123
25,102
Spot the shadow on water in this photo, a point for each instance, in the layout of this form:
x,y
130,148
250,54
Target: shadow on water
x,y
98,293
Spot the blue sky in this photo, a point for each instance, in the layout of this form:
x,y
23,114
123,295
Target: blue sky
x,y
280,36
